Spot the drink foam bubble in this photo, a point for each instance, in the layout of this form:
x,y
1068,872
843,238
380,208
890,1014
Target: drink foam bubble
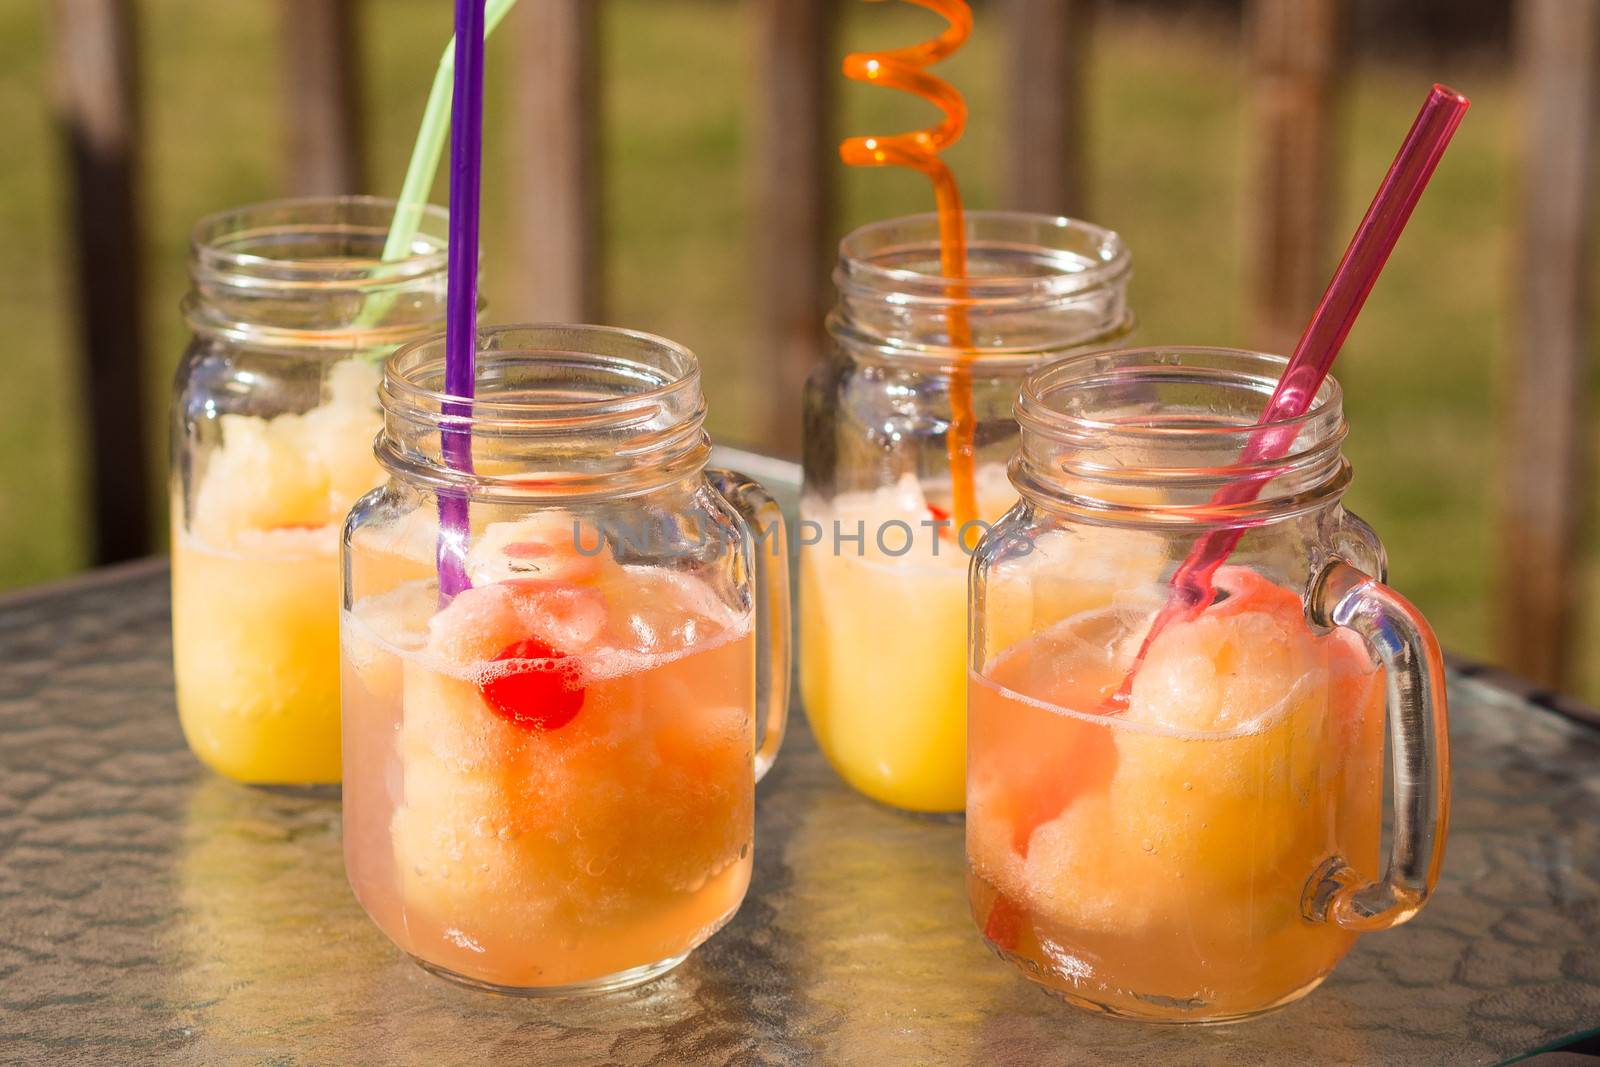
x,y
397,623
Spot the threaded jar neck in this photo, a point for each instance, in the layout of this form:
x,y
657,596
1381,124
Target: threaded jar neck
x,y
1149,436
309,275
1037,286
560,411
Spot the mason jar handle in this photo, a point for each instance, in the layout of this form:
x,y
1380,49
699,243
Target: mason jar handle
x,y
1419,744
771,548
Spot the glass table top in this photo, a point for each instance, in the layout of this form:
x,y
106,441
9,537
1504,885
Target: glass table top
x,y
152,912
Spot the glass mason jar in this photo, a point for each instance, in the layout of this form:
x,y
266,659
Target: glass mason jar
x,y
1202,845
883,602
549,776
273,417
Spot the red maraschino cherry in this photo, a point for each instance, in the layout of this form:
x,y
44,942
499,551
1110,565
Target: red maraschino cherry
x,y
538,694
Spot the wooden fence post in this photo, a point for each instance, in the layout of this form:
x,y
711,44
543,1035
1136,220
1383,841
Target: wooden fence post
x,y
1295,46
794,167
1547,487
1047,44
322,78
96,87
556,118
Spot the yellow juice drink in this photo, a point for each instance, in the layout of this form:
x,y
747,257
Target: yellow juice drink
x,y
883,641
255,585
1151,862
913,410
549,783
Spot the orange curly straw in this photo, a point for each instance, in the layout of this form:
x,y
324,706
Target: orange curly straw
x,y
902,68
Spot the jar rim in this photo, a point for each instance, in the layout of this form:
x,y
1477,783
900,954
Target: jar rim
x,y
1169,436
1037,412
230,243
584,409
677,371
1088,257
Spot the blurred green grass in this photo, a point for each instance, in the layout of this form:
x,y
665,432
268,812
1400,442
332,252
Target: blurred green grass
x,y
1167,148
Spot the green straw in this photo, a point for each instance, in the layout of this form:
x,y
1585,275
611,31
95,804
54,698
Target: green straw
x,y
425,157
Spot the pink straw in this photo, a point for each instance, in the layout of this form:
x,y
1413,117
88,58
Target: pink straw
x,y
461,298
1191,588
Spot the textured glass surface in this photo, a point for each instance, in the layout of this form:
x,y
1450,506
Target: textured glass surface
x,y
151,912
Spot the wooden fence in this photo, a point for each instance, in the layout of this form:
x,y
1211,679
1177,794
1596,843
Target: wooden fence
x,y
1294,45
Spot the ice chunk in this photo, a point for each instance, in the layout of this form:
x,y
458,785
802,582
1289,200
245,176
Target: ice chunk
x,y
553,545
664,611
1078,878
476,625
339,433
1233,667
292,470
259,480
481,622
569,618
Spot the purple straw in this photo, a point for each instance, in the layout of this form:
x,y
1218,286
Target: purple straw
x,y
461,311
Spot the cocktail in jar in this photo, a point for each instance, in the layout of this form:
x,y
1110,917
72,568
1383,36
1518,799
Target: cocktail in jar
x,y
273,421
549,776
1203,844
883,554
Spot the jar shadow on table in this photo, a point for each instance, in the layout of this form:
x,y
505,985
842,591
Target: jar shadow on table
x,y
875,926
266,921
1021,1020
888,963
272,952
